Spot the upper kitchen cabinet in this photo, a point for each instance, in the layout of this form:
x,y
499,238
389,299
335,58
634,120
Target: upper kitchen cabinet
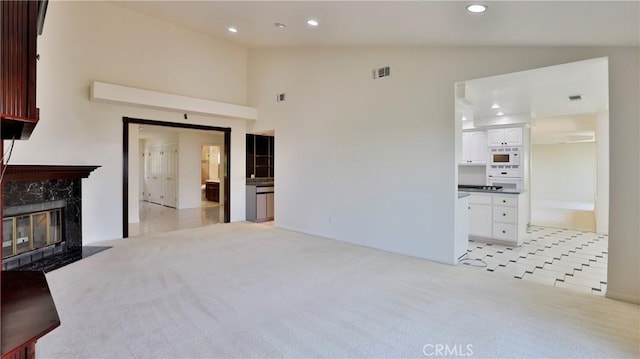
x,y
505,137
260,159
21,21
474,147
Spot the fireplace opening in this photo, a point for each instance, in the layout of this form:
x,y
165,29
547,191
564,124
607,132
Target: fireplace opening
x,y
29,232
32,232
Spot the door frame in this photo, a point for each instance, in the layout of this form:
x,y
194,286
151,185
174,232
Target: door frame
x,y
125,163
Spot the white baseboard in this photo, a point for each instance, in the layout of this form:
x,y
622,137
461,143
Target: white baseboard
x,y
623,297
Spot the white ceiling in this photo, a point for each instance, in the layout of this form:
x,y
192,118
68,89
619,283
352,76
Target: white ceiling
x,y
541,95
377,23
544,92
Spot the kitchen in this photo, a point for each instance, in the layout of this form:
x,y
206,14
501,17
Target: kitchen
x,y
499,120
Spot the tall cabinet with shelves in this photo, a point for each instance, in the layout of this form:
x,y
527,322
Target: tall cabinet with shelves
x,y
260,156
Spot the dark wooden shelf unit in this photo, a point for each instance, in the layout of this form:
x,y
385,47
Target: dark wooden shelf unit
x,y
260,156
18,57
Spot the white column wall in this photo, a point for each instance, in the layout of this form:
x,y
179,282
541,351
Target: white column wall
x,y
602,173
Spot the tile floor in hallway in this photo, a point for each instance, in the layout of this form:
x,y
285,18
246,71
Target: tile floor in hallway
x,y
155,218
554,256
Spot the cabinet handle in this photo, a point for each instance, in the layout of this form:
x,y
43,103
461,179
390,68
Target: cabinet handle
x,y
504,201
504,232
504,215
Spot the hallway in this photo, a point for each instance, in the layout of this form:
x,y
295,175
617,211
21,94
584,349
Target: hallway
x,y
155,218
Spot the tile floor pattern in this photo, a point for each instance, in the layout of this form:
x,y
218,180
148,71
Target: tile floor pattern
x,y
155,218
554,256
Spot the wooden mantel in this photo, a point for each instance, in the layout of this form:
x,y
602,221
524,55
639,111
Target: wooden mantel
x,y
46,172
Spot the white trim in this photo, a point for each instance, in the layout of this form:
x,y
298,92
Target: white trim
x,y
106,92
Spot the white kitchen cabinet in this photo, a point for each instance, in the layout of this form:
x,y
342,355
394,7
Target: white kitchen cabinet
x,y
474,147
461,237
497,217
480,215
504,137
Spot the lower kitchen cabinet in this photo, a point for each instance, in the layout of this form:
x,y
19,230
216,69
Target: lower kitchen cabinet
x,y
480,216
497,217
260,203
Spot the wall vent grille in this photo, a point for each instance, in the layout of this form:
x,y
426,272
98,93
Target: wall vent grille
x,y
382,72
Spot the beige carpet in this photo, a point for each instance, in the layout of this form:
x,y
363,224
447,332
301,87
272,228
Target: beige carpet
x,y
243,290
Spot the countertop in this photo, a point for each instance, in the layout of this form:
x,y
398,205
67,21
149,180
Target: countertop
x,y
260,182
213,181
501,191
463,194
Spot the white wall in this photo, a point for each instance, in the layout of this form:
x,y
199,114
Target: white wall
x,y
563,172
86,41
472,175
337,123
602,173
136,183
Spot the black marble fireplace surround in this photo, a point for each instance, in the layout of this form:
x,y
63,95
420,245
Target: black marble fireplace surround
x,y
28,189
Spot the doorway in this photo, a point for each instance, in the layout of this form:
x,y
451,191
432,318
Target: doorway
x,y
562,112
563,172
162,173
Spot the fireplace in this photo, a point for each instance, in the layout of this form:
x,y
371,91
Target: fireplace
x,y
42,214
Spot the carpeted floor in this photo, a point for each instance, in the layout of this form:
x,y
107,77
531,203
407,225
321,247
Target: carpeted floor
x,y
243,290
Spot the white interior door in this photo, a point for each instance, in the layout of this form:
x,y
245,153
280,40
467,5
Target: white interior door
x,y
169,175
146,173
155,175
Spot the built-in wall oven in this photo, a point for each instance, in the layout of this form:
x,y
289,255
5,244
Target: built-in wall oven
x,y
509,177
505,182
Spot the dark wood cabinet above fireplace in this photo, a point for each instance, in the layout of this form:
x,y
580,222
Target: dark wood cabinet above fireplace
x,y
20,22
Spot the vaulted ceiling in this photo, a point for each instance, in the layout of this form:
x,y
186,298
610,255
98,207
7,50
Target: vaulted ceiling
x,y
397,23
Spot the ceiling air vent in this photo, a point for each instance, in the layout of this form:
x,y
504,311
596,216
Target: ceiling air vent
x,y
575,98
381,72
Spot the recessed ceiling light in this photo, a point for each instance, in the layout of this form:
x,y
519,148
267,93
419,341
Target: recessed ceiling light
x,y
500,113
477,8
312,22
495,105
232,29
279,25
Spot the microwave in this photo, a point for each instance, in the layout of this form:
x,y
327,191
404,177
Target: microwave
x,y
505,156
